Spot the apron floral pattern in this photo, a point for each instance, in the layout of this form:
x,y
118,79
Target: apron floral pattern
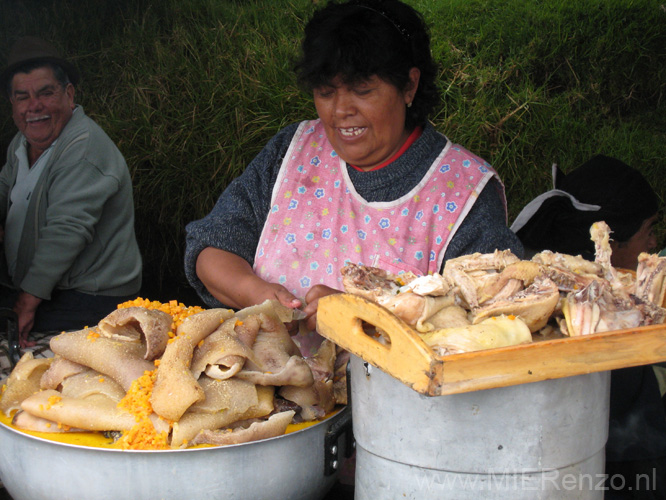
x,y
318,222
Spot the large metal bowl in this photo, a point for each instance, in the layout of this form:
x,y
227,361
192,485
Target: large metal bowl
x,y
299,465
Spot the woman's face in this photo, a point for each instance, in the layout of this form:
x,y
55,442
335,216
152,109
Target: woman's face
x,y
365,122
625,254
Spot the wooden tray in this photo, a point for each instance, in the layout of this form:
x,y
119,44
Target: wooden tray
x,y
410,360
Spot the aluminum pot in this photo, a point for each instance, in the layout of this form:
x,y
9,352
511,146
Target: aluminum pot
x,y
299,465
542,440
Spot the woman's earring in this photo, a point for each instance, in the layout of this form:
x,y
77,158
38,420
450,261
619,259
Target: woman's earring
x,y
409,104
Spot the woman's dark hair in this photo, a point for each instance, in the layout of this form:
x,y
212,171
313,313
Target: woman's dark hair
x,y
625,200
358,39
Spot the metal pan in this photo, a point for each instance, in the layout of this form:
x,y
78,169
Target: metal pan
x,y
300,465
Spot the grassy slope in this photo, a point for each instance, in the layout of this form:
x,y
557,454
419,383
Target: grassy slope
x,y
191,89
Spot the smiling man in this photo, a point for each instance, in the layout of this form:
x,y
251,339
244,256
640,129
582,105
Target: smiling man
x,y
66,203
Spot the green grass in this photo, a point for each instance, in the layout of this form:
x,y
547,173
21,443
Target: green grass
x,y
191,90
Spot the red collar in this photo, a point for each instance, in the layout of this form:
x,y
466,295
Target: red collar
x,y
416,133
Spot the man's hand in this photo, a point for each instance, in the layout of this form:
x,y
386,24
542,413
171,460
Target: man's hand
x,y
25,308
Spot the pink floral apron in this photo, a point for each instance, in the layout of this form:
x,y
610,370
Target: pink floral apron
x,y
318,222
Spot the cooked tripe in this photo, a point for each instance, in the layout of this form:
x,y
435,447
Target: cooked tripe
x,y
498,331
163,376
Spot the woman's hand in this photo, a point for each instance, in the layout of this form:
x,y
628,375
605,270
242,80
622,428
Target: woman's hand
x,y
312,302
231,280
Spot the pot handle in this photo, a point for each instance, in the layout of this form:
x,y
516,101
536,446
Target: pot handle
x,y
340,318
341,426
9,317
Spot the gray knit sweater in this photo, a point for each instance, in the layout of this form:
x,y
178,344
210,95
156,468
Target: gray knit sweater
x,y
236,221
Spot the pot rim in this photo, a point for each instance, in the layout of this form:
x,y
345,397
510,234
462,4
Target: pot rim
x,y
338,412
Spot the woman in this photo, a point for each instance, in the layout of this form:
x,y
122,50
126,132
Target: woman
x,y
369,181
608,189
603,188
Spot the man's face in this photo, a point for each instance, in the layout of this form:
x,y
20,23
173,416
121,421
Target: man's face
x,y
41,107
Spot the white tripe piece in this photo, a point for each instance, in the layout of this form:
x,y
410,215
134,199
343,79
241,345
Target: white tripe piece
x,y
433,284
